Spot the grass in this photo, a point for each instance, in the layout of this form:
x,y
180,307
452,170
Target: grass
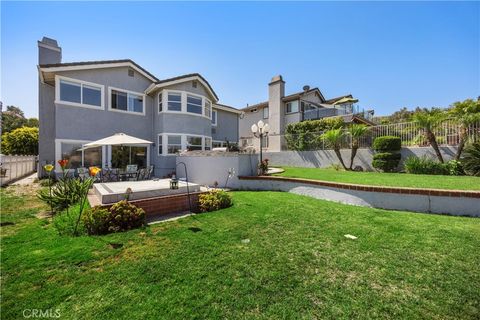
x,y
296,264
385,179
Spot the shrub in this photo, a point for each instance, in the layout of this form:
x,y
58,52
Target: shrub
x,y
21,141
263,167
122,216
214,200
454,168
386,161
305,135
424,165
387,143
471,159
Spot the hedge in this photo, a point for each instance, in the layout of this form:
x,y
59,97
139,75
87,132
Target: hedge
x,y
387,143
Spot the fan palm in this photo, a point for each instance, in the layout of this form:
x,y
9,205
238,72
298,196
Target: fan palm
x,y
356,131
429,120
465,113
334,139
471,160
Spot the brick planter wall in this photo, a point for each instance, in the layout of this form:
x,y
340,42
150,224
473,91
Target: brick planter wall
x,y
167,204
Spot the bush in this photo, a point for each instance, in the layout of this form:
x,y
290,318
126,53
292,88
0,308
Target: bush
x,y
387,143
471,159
21,141
454,168
387,156
214,200
122,216
424,165
388,162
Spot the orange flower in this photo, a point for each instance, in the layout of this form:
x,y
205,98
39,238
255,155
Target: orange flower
x,y
94,171
63,163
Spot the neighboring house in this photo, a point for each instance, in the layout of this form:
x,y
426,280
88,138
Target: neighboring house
x,y
281,110
81,102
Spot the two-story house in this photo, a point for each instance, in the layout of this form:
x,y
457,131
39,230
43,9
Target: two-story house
x,y
80,102
281,110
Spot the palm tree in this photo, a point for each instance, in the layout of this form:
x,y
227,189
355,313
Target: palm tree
x,y
465,113
429,120
356,131
334,139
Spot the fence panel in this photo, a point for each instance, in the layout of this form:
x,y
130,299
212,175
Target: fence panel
x,y
448,133
15,167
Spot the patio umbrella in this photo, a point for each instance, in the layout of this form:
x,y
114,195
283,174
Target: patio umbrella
x,y
118,139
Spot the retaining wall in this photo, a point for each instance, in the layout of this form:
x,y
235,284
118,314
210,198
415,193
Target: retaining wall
x,y
325,158
461,203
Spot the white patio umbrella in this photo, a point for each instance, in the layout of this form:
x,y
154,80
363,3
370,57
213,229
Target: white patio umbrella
x,y
118,139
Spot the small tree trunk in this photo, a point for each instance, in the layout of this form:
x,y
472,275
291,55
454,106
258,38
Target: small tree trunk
x,y
461,144
433,142
353,154
339,156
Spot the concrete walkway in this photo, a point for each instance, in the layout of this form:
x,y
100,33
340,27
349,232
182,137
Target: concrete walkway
x,y
26,180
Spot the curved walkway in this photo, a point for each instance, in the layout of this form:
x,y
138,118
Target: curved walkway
x,y
454,202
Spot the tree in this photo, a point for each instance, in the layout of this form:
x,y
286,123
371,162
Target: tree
x,y
465,113
429,120
356,131
21,141
334,139
14,118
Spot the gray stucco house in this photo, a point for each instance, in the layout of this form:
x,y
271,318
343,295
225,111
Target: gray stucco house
x,y
281,110
80,102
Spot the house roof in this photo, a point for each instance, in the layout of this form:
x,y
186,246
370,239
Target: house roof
x,y
333,100
99,63
288,98
186,77
226,108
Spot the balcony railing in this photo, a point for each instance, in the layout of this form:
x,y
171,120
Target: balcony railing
x,y
320,113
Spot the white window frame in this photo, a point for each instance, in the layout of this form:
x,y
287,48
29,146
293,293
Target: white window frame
x,y
160,101
202,144
183,103
205,101
160,145
286,108
58,151
265,109
214,123
202,104
164,137
80,83
205,145
127,92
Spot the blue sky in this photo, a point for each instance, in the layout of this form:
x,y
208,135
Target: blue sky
x,y
387,54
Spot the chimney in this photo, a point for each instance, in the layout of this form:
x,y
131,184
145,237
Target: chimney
x,y
276,114
49,52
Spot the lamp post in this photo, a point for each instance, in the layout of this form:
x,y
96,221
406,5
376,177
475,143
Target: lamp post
x,y
260,130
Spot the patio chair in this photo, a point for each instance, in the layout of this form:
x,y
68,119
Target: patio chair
x,y
131,172
149,172
82,173
110,175
141,174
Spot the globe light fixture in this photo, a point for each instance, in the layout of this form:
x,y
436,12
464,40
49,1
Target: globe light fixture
x,y
260,130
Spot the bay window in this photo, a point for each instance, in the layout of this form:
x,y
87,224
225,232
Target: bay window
x,y
194,104
194,143
208,108
174,144
208,143
174,101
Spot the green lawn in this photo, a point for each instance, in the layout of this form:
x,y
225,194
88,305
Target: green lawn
x,y
297,264
385,179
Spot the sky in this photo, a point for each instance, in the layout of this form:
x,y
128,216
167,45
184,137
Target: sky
x,y
387,54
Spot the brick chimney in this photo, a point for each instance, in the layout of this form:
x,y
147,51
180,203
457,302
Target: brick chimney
x,y
49,52
276,121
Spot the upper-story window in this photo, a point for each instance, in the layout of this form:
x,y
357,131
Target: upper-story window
x,y
194,104
214,117
208,108
174,101
291,107
126,101
185,102
265,113
79,93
